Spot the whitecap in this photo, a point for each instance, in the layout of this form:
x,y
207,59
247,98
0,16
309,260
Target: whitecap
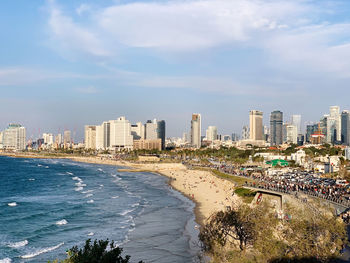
x,y
91,234
5,260
47,167
31,179
12,204
80,184
42,251
76,178
18,244
134,205
78,189
99,169
88,195
101,185
39,165
90,201
61,222
69,173
114,197
126,212
87,191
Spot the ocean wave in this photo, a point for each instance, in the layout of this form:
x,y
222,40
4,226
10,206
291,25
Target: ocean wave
x,y
87,191
80,184
42,251
91,234
47,167
114,197
61,222
99,169
39,165
125,212
69,173
78,189
90,201
5,260
88,195
31,179
12,204
136,204
76,178
18,244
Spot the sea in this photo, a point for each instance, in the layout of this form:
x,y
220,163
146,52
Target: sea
x,y
47,206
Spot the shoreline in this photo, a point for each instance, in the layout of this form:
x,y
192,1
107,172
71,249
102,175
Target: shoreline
x,y
208,192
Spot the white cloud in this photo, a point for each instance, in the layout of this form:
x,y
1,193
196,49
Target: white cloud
x,y
70,35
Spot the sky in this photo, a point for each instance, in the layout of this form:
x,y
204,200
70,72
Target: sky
x,y
66,64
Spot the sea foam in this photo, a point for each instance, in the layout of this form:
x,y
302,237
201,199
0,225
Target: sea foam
x,y
42,251
18,244
61,222
90,201
78,189
12,204
5,260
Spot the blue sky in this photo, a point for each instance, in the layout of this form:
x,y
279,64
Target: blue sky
x,y
65,64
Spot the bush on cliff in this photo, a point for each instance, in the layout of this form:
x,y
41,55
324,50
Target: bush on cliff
x,y
96,252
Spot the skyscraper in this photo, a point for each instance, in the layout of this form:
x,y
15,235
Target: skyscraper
x,y
276,125
161,132
196,130
334,125
256,125
345,127
292,134
296,121
138,131
212,133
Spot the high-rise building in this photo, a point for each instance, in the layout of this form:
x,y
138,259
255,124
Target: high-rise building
x,y
256,125
120,134
14,137
245,133
292,134
333,125
48,138
67,137
310,129
345,127
276,128
296,121
103,136
138,131
90,137
212,133
151,130
161,132
196,127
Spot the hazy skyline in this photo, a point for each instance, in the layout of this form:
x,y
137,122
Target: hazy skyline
x,y
66,64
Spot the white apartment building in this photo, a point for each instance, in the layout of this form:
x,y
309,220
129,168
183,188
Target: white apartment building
x,y
90,137
14,137
120,134
256,125
151,130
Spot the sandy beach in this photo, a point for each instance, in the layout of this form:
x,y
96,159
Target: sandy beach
x,y
210,193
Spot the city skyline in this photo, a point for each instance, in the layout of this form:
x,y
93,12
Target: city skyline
x,y
65,64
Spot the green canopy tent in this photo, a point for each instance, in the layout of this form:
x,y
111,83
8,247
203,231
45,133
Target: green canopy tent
x,y
279,162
